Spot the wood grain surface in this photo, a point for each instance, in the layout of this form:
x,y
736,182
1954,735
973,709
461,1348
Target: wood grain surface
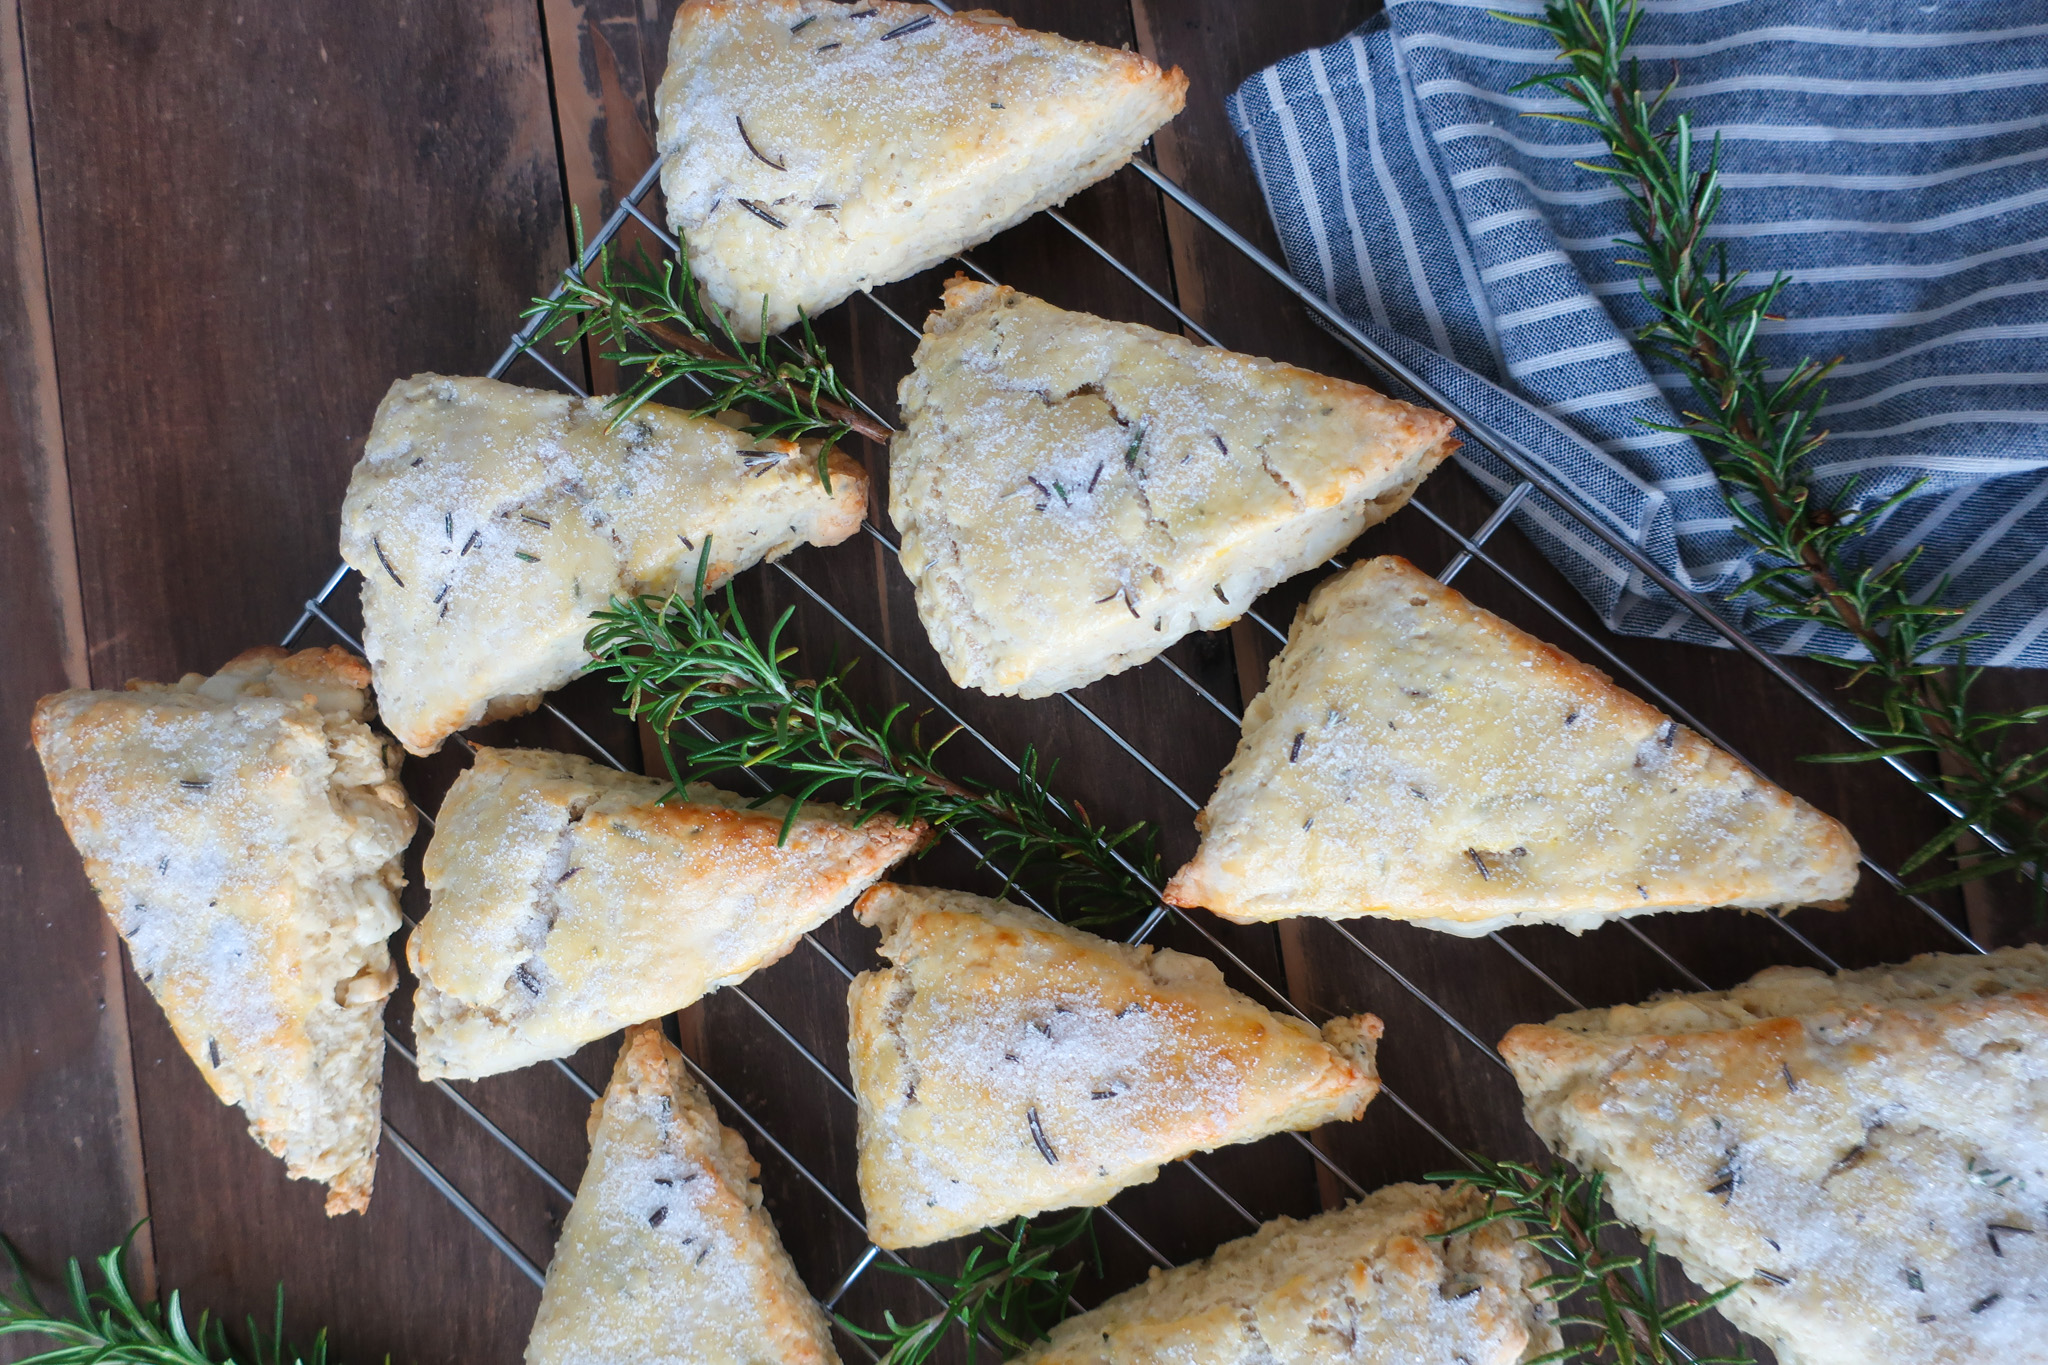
x,y
70,1152
252,218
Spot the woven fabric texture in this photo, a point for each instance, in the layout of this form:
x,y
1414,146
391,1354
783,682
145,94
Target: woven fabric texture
x,y
1890,159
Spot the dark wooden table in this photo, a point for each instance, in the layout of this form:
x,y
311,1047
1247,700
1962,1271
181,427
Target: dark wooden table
x,y
230,227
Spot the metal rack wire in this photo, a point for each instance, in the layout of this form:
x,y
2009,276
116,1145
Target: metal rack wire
x,y
1472,549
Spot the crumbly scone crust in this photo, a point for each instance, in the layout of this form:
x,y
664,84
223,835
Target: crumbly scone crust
x,y
1007,1064
667,1253
243,832
1866,1151
1373,1283
1074,495
1416,757
567,902
488,521
816,149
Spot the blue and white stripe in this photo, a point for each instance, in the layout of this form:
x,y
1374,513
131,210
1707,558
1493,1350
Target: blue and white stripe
x,y
1890,158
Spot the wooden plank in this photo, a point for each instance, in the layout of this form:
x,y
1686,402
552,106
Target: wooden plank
x,y
257,216
67,1092
603,99
603,117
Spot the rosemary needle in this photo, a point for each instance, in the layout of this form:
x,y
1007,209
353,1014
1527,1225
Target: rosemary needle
x,y
651,319
1559,1213
1007,1289
109,1326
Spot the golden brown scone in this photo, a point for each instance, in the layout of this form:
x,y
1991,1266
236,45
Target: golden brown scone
x,y
1361,1285
1075,495
244,831
1868,1152
1007,1064
568,903
667,1255
1418,758
489,521
816,149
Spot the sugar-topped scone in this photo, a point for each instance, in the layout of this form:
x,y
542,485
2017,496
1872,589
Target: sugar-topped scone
x,y
816,149
568,902
489,521
1865,1152
244,833
1075,495
667,1255
1007,1064
1373,1283
1416,757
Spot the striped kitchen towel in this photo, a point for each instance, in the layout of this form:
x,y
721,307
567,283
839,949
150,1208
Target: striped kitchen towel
x,y
1890,158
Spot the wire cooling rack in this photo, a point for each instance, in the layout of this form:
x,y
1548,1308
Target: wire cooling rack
x,y
1472,549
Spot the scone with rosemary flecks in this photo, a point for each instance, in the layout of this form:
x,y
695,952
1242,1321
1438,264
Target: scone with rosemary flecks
x,y
1007,1064
816,149
1373,1283
244,831
667,1254
568,902
1865,1152
1075,495
1418,758
489,521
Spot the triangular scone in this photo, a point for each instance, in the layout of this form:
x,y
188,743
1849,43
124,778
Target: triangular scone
x,y
489,521
816,149
1868,1152
1416,757
667,1257
1075,494
567,903
1374,1283
1007,1064
244,831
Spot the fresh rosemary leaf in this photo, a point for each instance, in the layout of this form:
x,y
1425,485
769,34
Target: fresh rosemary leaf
x,y
681,660
1759,426
1008,1291
650,317
109,1326
1559,1212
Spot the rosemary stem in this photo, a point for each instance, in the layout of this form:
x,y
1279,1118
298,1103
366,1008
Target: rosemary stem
x,y
1560,1213
693,659
676,339
1590,1250
1761,436
654,324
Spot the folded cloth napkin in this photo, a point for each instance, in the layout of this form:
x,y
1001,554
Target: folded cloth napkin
x,y
1890,158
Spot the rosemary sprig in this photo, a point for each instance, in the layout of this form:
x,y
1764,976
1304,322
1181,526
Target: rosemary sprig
x,y
651,318
109,1326
1559,1213
1762,433
694,659
1013,1296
